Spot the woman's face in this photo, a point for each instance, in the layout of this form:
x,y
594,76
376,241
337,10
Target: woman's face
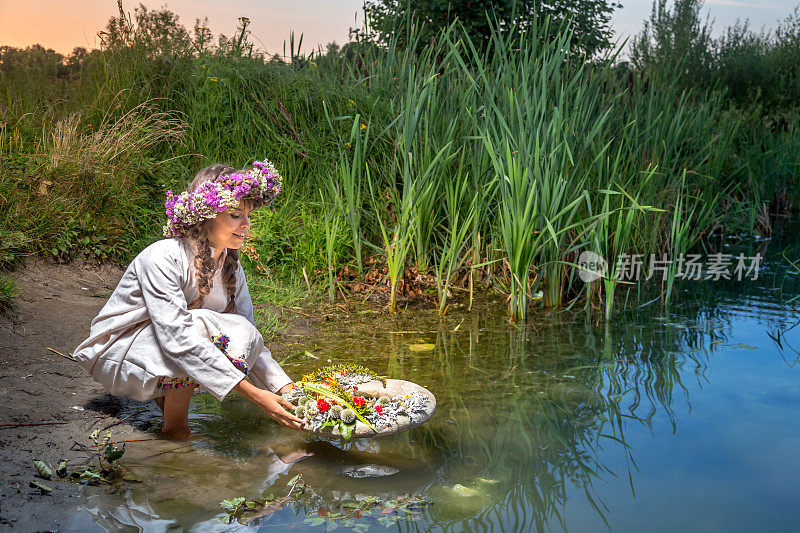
x,y
228,229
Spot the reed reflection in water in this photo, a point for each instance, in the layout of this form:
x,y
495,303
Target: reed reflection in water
x,y
533,426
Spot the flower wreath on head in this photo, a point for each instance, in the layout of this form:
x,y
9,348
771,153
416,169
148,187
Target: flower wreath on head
x,y
262,184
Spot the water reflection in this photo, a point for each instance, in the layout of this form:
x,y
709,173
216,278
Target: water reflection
x,y
527,418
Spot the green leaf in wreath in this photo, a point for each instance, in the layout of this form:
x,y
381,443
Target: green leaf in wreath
x,y
346,430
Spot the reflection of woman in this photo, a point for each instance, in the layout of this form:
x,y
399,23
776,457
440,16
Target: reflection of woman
x,y
182,316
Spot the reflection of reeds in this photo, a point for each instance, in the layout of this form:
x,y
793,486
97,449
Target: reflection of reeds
x,y
534,410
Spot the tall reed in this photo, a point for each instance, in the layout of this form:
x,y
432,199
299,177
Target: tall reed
x,y
347,180
460,210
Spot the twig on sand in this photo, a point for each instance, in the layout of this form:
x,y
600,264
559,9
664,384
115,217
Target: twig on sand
x,y
26,424
121,420
12,330
118,442
61,354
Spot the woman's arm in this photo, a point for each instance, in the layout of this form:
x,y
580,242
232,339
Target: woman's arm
x,y
270,403
265,373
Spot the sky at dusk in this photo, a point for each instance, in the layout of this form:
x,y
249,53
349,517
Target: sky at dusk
x,y
65,24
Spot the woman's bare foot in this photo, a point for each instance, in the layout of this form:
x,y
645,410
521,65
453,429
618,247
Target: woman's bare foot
x,y
176,414
181,433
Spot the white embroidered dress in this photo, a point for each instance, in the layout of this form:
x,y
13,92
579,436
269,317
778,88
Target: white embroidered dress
x,y
145,331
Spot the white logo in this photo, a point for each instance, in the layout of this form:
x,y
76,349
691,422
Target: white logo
x,y
592,266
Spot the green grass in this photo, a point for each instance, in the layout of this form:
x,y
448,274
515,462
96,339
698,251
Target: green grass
x,y
8,290
496,164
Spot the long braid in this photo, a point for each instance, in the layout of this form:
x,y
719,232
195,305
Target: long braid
x,y
204,264
229,278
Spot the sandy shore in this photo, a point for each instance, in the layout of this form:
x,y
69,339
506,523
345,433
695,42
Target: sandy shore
x,y
55,306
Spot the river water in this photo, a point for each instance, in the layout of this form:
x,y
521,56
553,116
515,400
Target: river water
x,y
677,418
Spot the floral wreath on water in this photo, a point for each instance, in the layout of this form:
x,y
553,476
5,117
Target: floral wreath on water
x,y
262,183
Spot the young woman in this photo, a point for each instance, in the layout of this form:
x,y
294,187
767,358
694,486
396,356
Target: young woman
x,y
182,317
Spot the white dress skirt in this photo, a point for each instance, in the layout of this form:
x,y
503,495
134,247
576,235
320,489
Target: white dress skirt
x,y
146,338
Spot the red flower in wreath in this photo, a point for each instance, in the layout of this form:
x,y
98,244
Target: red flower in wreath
x,y
322,405
378,409
359,401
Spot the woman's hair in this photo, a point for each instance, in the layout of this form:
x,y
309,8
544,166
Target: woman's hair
x,y
204,263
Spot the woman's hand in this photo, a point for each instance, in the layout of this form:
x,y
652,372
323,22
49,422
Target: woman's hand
x,y
270,403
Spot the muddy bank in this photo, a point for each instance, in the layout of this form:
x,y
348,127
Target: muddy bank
x,y
50,405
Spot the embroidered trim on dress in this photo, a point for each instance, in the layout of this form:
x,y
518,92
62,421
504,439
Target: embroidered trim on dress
x,y
221,342
175,383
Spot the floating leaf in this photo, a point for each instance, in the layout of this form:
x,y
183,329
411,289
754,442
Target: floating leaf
x,y
421,347
386,521
94,435
42,469
291,481
360,528
461,490
311,355
745,346
132,478
232,504
44,489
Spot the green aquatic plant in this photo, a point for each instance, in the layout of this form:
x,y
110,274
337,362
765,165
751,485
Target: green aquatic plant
x,y
336,411
383,401
300,412
333,223
347,180
348,416
459,214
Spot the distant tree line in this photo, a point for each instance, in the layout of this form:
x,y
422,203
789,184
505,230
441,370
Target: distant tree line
x,y
760,69
588,19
